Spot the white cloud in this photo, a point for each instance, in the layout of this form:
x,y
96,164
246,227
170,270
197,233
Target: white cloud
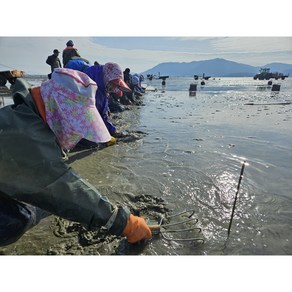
x,y
253,44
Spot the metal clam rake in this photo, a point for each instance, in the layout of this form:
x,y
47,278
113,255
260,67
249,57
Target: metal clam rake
x,y
181,224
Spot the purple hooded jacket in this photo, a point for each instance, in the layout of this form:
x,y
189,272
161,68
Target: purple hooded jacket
x,y
101,100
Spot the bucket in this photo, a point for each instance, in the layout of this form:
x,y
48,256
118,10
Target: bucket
x,y
276,87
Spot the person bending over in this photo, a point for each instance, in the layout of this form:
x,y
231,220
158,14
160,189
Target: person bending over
x,y
34,179
109,79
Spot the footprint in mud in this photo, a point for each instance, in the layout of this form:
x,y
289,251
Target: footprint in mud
x,y
78,240
146,206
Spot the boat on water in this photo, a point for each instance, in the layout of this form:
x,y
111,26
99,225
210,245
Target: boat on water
x,y
152,76
265,74
196,77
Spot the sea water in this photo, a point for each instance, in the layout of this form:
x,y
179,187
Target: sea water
x,y
191,157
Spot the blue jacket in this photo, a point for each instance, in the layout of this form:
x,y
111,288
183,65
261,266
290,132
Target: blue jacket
x,y
101,99
77,64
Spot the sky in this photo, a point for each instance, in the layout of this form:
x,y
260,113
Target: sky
x,y
142,53
143,34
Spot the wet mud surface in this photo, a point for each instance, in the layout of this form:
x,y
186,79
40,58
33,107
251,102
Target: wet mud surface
x,y
77,240
180,152
57,236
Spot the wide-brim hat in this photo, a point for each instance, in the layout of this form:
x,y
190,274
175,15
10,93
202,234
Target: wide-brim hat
x,y
71,113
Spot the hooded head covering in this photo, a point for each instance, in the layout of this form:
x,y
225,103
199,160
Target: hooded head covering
x,y
113,73
135,79
69,99
70,44
77,63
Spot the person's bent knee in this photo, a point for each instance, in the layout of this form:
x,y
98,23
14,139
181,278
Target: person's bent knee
x,y
15,220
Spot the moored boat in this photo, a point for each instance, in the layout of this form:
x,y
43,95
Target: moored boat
x,y
265,74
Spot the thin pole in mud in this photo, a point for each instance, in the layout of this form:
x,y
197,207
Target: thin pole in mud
x,y
236,195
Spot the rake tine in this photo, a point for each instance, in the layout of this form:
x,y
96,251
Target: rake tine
x,y
183,212
181,230
163,228
195,220
182,239
192,212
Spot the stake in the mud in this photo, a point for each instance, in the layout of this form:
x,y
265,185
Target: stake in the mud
x,y
235,199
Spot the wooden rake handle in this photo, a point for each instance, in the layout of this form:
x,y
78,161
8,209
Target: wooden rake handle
x,y
155,229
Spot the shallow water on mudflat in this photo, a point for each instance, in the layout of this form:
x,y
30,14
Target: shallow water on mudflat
x,y
191,156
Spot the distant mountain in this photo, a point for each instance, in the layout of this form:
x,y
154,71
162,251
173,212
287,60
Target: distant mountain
x,y
215,68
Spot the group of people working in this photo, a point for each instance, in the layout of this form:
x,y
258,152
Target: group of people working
x,y
127,88
35,181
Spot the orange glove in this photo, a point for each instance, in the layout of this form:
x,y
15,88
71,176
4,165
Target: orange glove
x,y
137,229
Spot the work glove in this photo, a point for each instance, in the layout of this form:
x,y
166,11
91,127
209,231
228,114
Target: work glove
x,y
137,229
112,141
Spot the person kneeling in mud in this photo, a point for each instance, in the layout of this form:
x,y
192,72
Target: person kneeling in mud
x,y
109,79
34,180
